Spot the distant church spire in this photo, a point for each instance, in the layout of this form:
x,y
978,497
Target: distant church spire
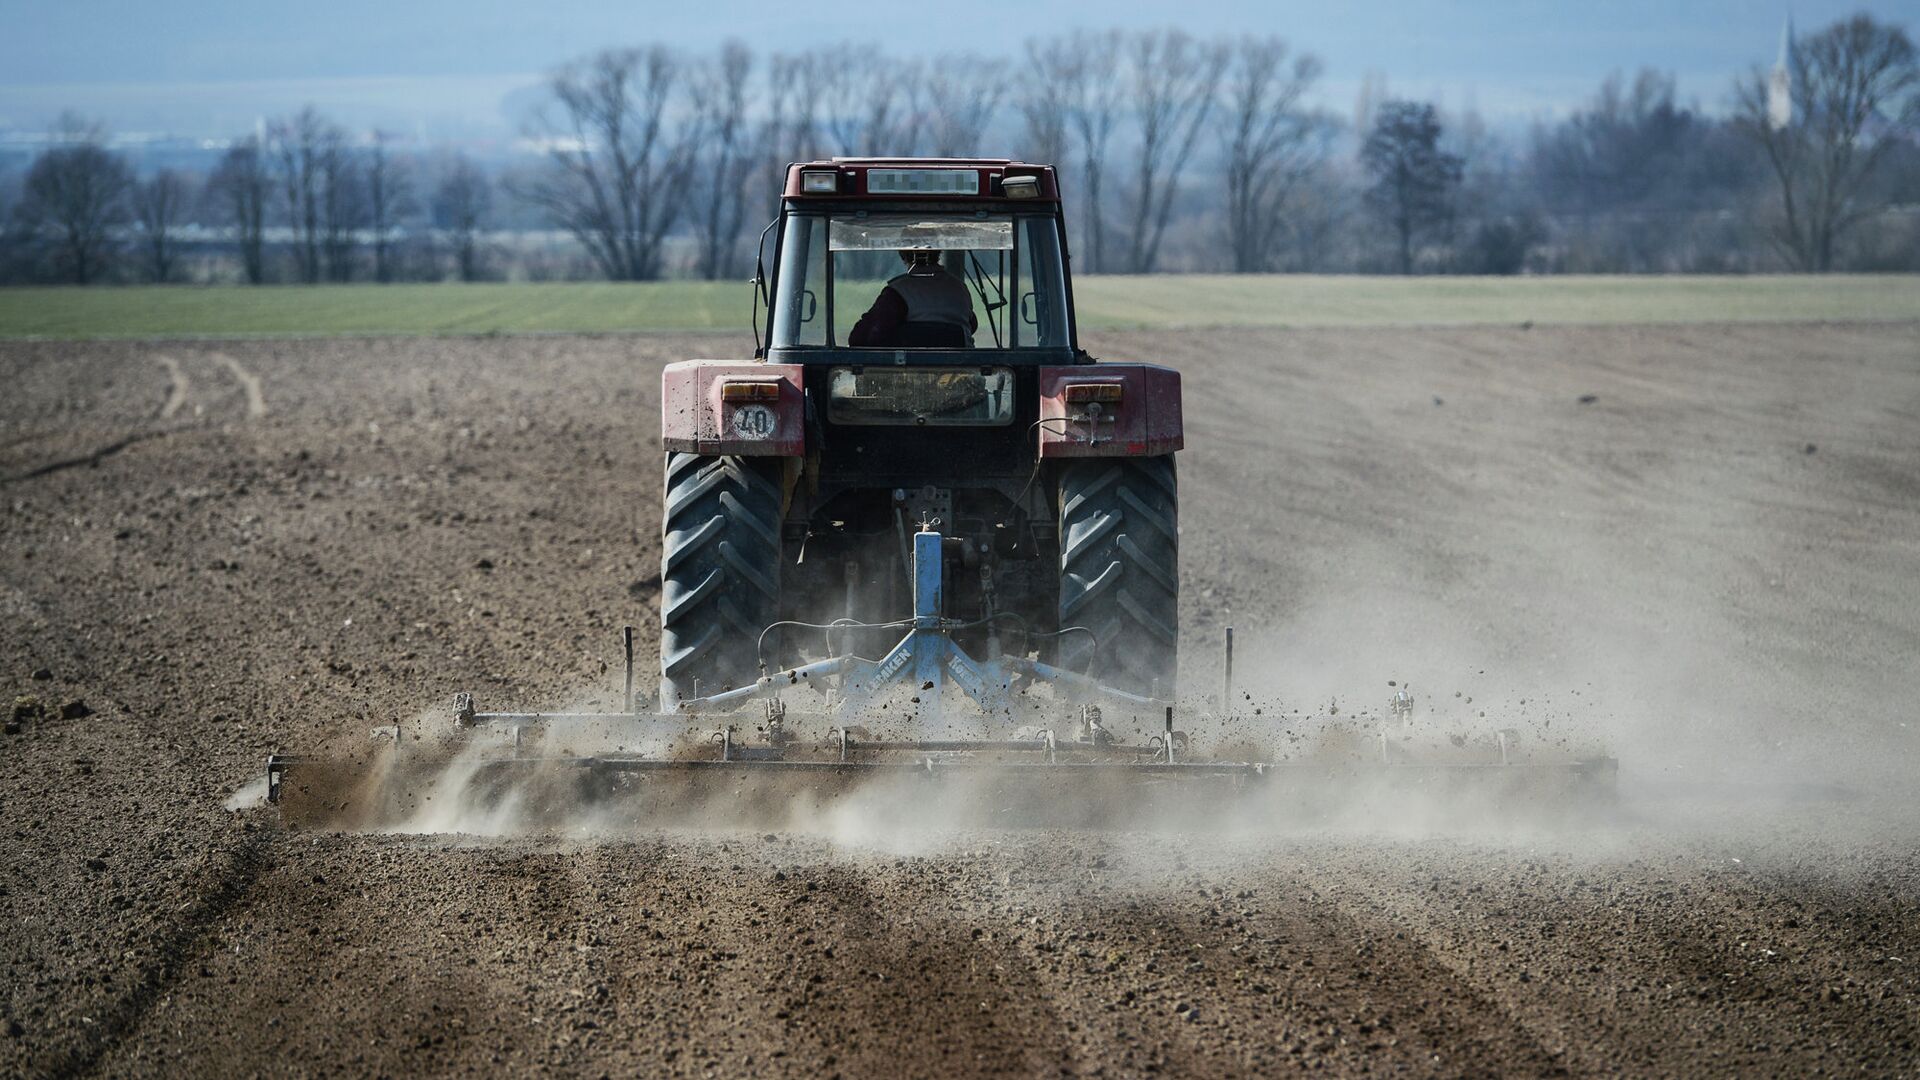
x,y
1780,86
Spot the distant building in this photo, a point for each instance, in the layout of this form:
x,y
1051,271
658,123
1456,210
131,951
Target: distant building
x,y
1780,86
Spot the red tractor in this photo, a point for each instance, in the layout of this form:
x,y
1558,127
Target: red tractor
x,y
921,368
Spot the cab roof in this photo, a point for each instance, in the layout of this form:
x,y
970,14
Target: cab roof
x,y
957,180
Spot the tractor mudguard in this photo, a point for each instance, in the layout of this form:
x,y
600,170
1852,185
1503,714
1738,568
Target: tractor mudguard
x,y
762,416
1109,410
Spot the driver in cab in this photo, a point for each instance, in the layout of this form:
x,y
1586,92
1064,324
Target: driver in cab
x,y
925,308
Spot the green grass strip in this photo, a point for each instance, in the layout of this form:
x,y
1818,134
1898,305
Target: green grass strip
x,y
1165,300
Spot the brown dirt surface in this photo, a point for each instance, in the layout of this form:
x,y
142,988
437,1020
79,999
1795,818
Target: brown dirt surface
x,y
1698,544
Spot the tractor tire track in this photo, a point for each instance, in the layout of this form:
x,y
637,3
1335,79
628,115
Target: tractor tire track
x,y
229,888
178,387
91,457
249,382
179,391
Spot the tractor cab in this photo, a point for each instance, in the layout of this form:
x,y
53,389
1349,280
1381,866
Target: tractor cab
x,y
988,233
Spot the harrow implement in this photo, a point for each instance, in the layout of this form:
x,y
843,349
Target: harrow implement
x,y
1059,750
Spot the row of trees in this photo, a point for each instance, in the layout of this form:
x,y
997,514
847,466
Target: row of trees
x,y
1176,153
342,202
1814,149
1210,147
338,211
645,142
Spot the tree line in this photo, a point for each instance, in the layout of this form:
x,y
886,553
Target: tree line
x,y
300,202
1176,153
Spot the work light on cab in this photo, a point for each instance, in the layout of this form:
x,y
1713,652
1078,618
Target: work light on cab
x,y
1021,187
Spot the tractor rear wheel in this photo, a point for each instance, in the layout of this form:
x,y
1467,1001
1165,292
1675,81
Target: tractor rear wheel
x,y
1120,571
719,571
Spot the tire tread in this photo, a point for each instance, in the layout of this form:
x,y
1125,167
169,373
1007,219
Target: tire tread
x,y
1120,570
719,570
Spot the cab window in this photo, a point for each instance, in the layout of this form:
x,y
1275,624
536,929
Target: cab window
x,y
1003,270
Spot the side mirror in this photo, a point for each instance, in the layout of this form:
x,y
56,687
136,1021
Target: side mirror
x,y
760,297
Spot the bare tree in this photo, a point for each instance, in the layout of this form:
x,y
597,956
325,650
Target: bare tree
x,y
1320,219
840,79
75,197
782,133
9,196
792,81
962,95
157,205
1854,91
719,92
1046,96
1619,150
618,158
1272,142
460,207
1093,86
1413,179
302,148
868,103
1625,176
243,186
389,198
1174,80
904,132
787,130
343,206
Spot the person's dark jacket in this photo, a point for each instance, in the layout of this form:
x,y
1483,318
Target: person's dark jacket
x,y
938,297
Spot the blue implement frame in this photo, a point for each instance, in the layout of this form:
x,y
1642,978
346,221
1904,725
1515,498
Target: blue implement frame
x,y
927,659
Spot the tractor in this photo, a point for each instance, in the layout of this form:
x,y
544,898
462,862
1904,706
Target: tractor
x,y
795,482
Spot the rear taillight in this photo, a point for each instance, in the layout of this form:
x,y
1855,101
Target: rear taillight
x,y
1087,392
743,390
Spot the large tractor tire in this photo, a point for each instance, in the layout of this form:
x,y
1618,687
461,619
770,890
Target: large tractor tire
x,y
1120,571
719,571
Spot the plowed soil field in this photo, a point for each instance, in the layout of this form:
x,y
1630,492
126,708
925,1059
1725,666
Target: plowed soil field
x,y
1699,544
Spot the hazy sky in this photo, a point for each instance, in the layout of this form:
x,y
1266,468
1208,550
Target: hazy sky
x,y
463,67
